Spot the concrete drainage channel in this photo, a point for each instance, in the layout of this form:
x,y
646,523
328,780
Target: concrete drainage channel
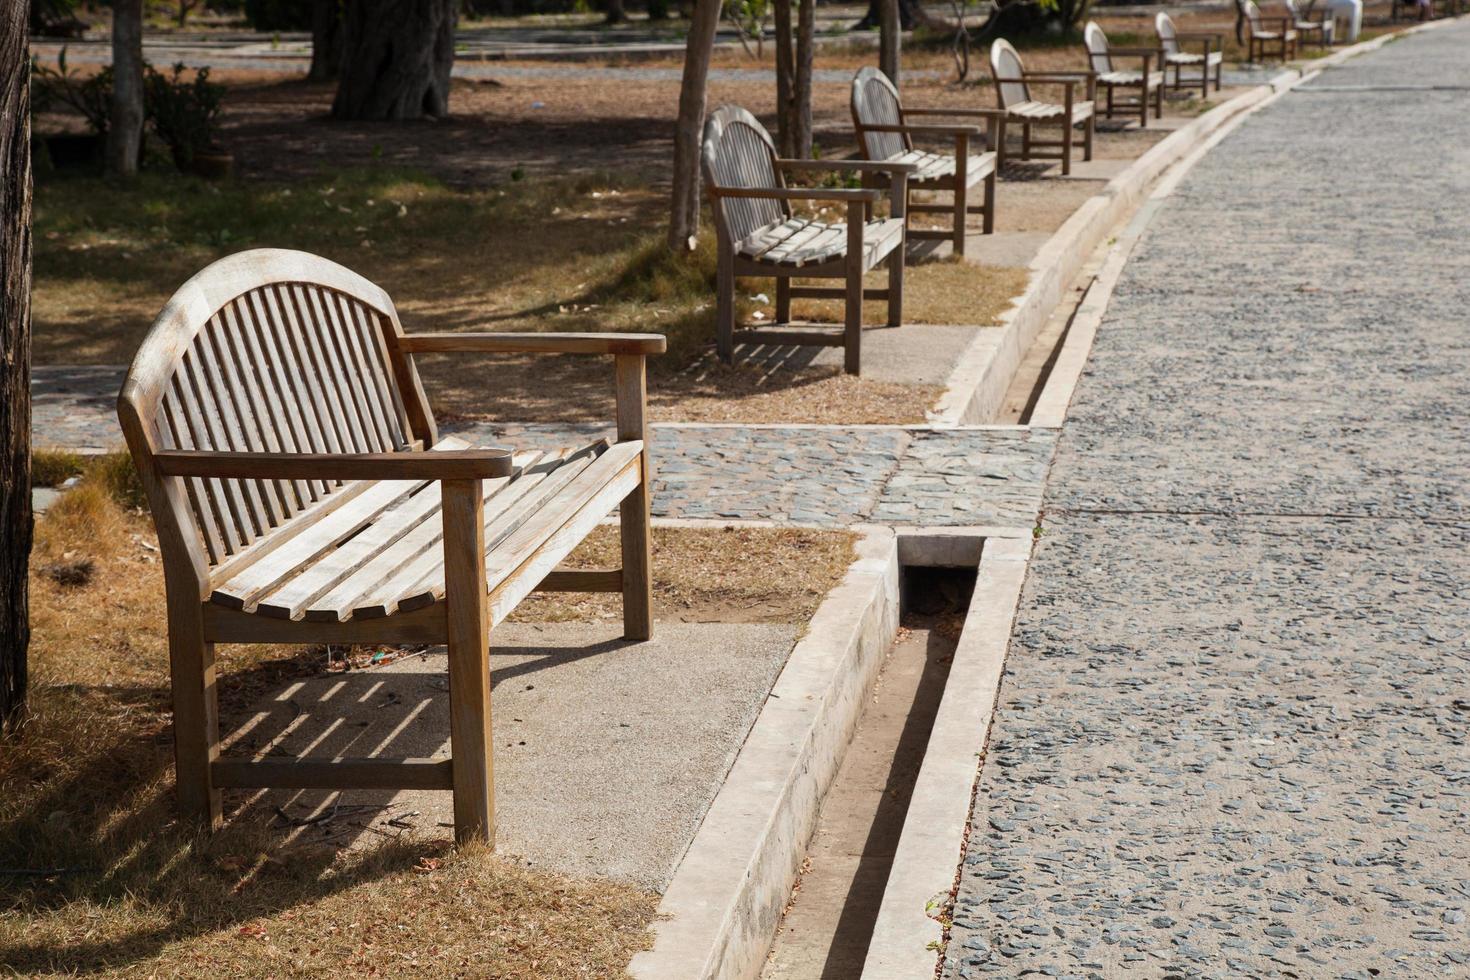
x,y
825,735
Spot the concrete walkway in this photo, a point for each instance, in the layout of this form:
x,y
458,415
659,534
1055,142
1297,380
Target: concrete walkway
x,y
1231,739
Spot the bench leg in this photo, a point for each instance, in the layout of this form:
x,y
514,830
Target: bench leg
x,y
895,285
961,197
852,337
196,718
633,517
783,299
725,304
468,629
989,226
1087,134
1067,131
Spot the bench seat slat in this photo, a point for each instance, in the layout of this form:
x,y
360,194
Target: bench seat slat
x,y
362,592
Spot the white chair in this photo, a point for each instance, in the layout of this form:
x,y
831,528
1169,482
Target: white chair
x,y
1148,82
1209,59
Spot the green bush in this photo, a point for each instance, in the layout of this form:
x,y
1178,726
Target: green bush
x,y
184,114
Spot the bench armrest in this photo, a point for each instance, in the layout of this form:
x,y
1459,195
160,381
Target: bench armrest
x,y
800,194
1217,36
978,113
461,464
534,343
861,166
924,130
1135,52
1058,77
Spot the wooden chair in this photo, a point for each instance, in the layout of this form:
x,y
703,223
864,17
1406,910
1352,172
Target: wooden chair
x,y
1264,33
758,234
302,495
885,134
1209,59
1312,26
1147,82
1013,90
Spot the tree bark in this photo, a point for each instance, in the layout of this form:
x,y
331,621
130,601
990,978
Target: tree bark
x,y
684,214
15,363
125,127
615,12
396,59
326,40
785,69
909,15
889,40
801,91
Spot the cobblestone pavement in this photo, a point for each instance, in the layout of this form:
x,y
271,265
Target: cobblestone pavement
x,y
812,475
1231,738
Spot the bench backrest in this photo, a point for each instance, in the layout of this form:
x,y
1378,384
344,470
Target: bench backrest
x,y
1252,14
266,351
1168,33
738,152
1005,65
1097,48
875,102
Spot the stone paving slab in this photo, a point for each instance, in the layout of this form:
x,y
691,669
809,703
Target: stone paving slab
x,y
1234,744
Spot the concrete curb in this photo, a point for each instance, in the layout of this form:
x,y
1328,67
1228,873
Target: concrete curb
x,y
907,935
724,903
979,381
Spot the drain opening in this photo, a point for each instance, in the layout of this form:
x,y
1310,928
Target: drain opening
x,y
825,931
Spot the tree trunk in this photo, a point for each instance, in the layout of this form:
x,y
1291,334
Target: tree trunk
x,y
396,59
326,40
125,127
15,363
684,215
785,69
801,93
615,12
888,42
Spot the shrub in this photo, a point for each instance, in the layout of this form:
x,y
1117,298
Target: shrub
x,y
185,114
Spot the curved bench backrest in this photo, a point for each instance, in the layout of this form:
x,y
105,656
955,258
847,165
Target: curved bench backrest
x,y
738,152
1097,48
1005,65
1168,34
264,351
875,102
1252,14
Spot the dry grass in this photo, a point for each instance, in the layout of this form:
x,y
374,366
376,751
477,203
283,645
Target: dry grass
x,y
122,889
730,575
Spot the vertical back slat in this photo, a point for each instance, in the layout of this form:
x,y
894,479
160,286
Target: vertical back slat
x,y
265,390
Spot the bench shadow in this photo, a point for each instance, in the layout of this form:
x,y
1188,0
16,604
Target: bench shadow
x,y
108,831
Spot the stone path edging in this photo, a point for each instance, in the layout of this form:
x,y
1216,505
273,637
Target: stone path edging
x,y
722,907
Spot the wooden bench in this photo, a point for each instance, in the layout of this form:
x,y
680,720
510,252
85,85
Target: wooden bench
x,y
884,133
302,494
1280,34
1148,83
1312,26
1013,90
1210,59
758,234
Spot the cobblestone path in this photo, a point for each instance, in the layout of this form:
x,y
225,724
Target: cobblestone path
x,y
1231,738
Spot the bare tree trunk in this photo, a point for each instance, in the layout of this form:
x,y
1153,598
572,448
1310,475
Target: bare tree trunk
x,y
396,59
615,12
15,363
801,95
785,69
326,40
125,127
888,41
684,215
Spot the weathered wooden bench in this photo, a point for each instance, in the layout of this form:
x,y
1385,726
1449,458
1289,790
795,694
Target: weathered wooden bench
x,y
758,234
302,494
1147,82
1013,90
1210,58
1281,33
1310,25
884,133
